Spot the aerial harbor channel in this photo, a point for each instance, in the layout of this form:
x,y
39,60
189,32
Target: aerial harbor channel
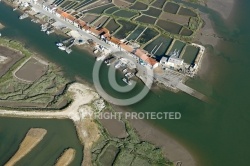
x,y
198,136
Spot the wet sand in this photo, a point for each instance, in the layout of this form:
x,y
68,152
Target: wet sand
x,y
32,138
224,7
207,35
1,26
66,158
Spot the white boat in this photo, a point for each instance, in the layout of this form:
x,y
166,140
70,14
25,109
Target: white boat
x,y
59,44
129,75
49,32
125,70
107,62
25,15
14,9
118,65
62,48
127,81
44,27
0,34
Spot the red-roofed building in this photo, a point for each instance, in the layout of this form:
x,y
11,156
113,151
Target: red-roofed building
x,y
115,40
79,23
139,52
68,17
82,23
59,12
144,56
127,47
104,31
94,31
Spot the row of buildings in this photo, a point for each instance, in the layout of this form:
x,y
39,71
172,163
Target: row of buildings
x,y
101,32
173,62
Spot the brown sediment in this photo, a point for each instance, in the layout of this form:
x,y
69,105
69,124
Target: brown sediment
x,y
32,138
1,26
88,133
12,56
115,127
221,6
172,150
207,34
66,158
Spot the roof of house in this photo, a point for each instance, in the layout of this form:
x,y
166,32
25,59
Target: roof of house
x,y
165,59
105,30
127,47
64,14
144,57
151,61
93,30
86,27
107,35
175,60
115,40
80,22
59,11
139,52
70,17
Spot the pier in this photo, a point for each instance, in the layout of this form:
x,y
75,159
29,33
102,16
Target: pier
x,y
192,92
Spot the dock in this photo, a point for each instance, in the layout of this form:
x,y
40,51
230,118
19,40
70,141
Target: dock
x,y
192,92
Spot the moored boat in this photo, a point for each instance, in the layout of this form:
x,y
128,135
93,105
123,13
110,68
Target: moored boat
x,y
62,48
25,15
127,81
59,44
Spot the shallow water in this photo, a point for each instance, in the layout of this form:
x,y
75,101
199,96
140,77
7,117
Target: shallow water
x,y
60,135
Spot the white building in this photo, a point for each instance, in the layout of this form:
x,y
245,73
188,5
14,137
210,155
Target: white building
x,y
172,62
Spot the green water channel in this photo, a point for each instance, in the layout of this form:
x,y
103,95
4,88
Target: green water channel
x,y
60,135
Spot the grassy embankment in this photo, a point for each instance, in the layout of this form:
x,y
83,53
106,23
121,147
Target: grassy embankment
x,y
127,151
46,92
